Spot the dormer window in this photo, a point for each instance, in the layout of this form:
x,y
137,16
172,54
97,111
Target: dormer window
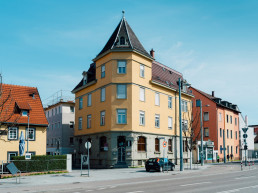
x,y
122,40
85,77
24,113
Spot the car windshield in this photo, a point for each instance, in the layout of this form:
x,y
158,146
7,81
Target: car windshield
x,y
157,160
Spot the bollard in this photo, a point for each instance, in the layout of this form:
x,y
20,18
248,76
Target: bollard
x,y
241,166
249,165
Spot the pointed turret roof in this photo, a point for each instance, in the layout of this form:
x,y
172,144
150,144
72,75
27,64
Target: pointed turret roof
x,y
123,39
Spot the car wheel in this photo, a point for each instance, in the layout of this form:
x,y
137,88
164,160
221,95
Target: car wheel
x,y
161,169
172,168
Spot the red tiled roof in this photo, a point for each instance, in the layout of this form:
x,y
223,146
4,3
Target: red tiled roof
x,y
16,98
165,75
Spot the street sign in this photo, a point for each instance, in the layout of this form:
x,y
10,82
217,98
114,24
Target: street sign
x,y
27,155
88,145
245,129
245,135
85,160
164,144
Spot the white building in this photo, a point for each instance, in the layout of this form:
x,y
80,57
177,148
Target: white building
x,y
243,123
60,137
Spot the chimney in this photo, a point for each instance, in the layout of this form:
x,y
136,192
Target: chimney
x,y
212,93
246,120
152,53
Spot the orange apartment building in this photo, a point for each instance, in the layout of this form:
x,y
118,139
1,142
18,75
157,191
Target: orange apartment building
x,y
218,117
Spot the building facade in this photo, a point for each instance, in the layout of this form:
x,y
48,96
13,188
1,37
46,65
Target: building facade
x,y
220,127
127,105
60,132
20,105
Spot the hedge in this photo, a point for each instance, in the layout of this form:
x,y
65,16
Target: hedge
x,y
40,163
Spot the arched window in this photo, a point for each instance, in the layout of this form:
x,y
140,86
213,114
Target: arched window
x,y
170,145
141,143
122,41
157,144
103,143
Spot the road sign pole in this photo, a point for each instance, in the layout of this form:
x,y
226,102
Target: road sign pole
x,y
88,158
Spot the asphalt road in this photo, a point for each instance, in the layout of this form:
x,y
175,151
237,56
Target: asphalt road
x,y
218,179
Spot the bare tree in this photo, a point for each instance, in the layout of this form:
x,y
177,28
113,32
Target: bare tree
x,y
192,132
7,111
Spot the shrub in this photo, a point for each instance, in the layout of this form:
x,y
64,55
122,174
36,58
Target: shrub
x,y
40,163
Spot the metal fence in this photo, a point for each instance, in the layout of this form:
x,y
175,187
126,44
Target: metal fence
x,y
35,165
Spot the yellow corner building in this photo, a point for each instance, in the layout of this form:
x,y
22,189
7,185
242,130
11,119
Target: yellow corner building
x,y
127,106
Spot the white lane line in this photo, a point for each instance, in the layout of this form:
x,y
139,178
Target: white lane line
x,y
101,189
238,189
195,184
245,177
88,190
112,187
135,192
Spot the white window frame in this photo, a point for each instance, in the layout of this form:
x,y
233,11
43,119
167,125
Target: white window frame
x,y
25,113
142,94
170,102
89,121
121,95
103,94
185,125
102,118
13,131
184,106
170,123
11,153
120,114
157,99
220,117
206,116
80,103
157,121
142,118
31,130
89,100
121,66
103,71
205,133
142,70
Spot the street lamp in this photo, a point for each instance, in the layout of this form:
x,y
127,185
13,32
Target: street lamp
x,y
199,104
181,84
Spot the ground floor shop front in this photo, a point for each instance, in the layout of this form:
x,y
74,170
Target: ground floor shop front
x,y
123,149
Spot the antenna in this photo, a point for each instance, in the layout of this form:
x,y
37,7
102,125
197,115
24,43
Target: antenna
x,y
123,12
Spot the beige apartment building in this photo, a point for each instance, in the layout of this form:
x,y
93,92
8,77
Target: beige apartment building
x,y
127,105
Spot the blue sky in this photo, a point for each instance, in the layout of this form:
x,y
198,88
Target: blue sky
x,y
48,43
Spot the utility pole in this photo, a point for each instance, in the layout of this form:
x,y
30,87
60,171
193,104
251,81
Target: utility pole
x,y
180,126
224,148
201,133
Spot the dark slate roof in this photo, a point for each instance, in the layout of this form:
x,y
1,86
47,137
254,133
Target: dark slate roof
x,y
166,76
91,76
132,42
214,99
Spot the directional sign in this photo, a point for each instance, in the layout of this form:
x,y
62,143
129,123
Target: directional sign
x,y
245,135
245,129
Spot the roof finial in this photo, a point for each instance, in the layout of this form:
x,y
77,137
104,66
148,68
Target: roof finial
x,y
123,12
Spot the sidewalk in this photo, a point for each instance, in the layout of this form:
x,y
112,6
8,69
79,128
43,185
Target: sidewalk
x,y
95,175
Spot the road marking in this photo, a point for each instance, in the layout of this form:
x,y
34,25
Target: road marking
x,y
135,192
195,184
101,189
238,189
112,187
245,177
88,190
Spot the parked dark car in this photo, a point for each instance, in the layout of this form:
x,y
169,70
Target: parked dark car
x,y
159,164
